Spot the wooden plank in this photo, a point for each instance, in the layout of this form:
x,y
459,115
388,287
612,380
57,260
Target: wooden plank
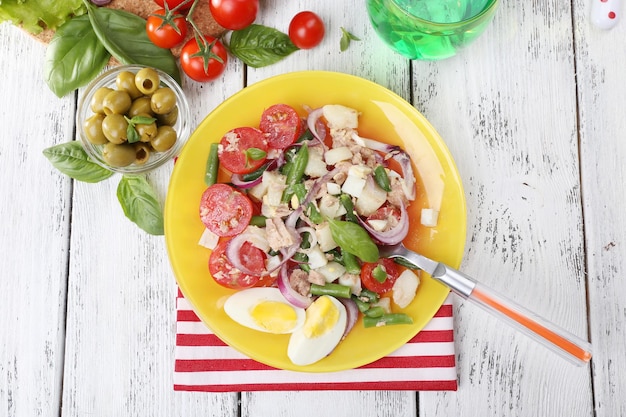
x,y
121,313
507,109
34,236
601,91
369,59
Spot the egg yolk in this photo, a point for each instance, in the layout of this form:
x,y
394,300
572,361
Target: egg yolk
x,y
321,316
274,316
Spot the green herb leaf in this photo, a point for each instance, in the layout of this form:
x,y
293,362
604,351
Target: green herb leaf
x,y
259,46
74,56
140,204
124,35
131,134
72,160
346,38
353,239
34,16
255,154
142,120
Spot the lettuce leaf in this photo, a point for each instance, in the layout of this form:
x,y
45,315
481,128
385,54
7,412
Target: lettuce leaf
x,y
37,15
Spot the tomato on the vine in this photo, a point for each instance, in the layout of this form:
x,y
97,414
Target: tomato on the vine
x,y
306,30
203,62
166,34
234,14
174,3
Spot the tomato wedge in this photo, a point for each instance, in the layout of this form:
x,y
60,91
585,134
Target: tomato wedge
x,y
225,274
368,280
243,150
282,125
224,210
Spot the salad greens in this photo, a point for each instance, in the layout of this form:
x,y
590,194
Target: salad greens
x,y
37,15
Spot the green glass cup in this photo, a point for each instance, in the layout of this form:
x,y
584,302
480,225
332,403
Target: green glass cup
x,y
430,29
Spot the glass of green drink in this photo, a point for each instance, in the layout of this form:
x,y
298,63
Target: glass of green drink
x,y
430,29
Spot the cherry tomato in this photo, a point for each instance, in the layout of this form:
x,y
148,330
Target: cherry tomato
x,y
241,150
385,212
234,14
224,210
165,36
371,283
174,3
281,124
194,65
228,276
306,30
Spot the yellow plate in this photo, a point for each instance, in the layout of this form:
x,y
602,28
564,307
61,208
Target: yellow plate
x,y
385,117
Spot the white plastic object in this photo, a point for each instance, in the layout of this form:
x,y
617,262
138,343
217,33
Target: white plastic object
x,y
605,13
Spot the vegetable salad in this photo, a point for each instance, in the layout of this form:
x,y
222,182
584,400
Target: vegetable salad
x,y
308,204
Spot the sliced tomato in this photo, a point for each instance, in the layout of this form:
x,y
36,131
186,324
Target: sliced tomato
x,y
367,279
224,210
281,123
241,150
225,274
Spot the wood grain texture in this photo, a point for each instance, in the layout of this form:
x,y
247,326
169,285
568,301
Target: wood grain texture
x,y
35,210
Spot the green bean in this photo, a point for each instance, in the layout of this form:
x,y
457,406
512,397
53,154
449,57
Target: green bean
x,y
374,312
369,296
306,135
301,257
379,273
381,178
350,262
300,191
296,172
361,305
256,173
386,319
346,201
334,290
212,165
258,221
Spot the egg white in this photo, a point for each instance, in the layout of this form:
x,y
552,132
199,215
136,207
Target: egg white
x,y
303,350
239,306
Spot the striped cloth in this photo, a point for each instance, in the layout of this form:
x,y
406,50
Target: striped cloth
x,y
204,363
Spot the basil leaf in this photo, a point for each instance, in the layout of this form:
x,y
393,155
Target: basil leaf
x,y
72,160
353,239
346,38
124,35
140,204
142,120
74,56
131,134
259,46
255,154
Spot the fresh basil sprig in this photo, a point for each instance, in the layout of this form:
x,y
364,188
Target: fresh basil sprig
x,y
124,35
353,239
140,203
346,38
71,159
259,46
74,56
131,132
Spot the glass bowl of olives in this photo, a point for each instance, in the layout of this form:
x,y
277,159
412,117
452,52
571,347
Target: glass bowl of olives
x,y
132,119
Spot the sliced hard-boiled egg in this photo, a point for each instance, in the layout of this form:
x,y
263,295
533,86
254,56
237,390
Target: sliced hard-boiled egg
x,y
322,331
264,309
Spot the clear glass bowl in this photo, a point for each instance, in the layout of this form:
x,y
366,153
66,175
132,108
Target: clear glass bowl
x,y
107,79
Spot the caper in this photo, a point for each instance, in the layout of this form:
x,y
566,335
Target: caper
x,y
98,97
142,152
146,131
93,129
116,102
140,105
164,139
163,100
125,81
118,155
114,127
147,80
168,118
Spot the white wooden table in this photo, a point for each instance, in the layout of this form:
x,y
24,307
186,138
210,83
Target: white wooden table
x,y
533,113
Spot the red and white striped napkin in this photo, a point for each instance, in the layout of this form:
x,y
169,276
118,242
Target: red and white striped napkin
x,y
204,363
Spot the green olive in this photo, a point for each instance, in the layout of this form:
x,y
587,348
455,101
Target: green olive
x,y
168,118
142,152
146,131
118,155
114,127
98,97
93,129
163,100
116,102
140,105
147,80
164,139
125,81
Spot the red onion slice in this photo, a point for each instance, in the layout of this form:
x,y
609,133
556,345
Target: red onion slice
x,y
292,296
391,236
239,183
233,252
352,312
